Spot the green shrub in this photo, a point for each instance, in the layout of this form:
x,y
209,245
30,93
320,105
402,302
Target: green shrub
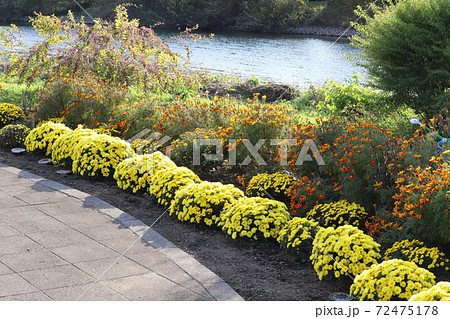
x,y
404,47
13,135
10,113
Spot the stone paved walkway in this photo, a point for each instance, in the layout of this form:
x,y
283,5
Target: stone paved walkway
x,y
57,243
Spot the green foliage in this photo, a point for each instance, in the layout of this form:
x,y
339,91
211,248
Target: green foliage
x,y
13,135
406,49
352,98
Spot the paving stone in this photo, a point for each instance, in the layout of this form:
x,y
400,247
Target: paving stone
x,y
36,197
159,264
84,252
56,277
13,284
43,224
12,215
71,206
88,292
6,231
60,238
18,244
106,231
112,268
10,201
32,260
132,244
4,269
34,296
84,219
152,287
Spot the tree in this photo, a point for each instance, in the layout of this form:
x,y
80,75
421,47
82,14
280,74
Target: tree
x,y
406,49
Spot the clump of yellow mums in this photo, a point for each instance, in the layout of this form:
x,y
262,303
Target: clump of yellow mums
x,y
338,213
439,292
13,135
274,186
42,137
297,236
342,250
135,173
204,203
254,217
393,279
63,148
10,113
143,146
417,252
166,182
99,155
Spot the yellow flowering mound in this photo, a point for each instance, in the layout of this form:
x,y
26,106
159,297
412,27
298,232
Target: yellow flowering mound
x,y
166,182
342,250
204,203
64,146
393,279
13,135
439,292
136,173
418,253
254,217
338,213
10,113
298,235
42,137
99,155
274,186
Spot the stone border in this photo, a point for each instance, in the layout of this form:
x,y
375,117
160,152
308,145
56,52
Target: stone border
x,y
212,283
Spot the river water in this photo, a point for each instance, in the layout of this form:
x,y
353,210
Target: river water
x,y
287,59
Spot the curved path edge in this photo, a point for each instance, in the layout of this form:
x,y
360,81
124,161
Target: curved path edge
x,y
212,283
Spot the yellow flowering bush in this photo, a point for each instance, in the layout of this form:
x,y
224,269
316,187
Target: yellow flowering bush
x,y
439,292
393,279
13,135
166,182
338,213
10,113
41,138
203,203
63,148
99,155
417,252
298,235
254,217
135,173
274,186
342,250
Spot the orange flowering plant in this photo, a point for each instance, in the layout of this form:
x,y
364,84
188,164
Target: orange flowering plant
x,y
354,168
423,199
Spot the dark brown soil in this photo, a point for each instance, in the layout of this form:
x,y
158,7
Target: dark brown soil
x,y
255,270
